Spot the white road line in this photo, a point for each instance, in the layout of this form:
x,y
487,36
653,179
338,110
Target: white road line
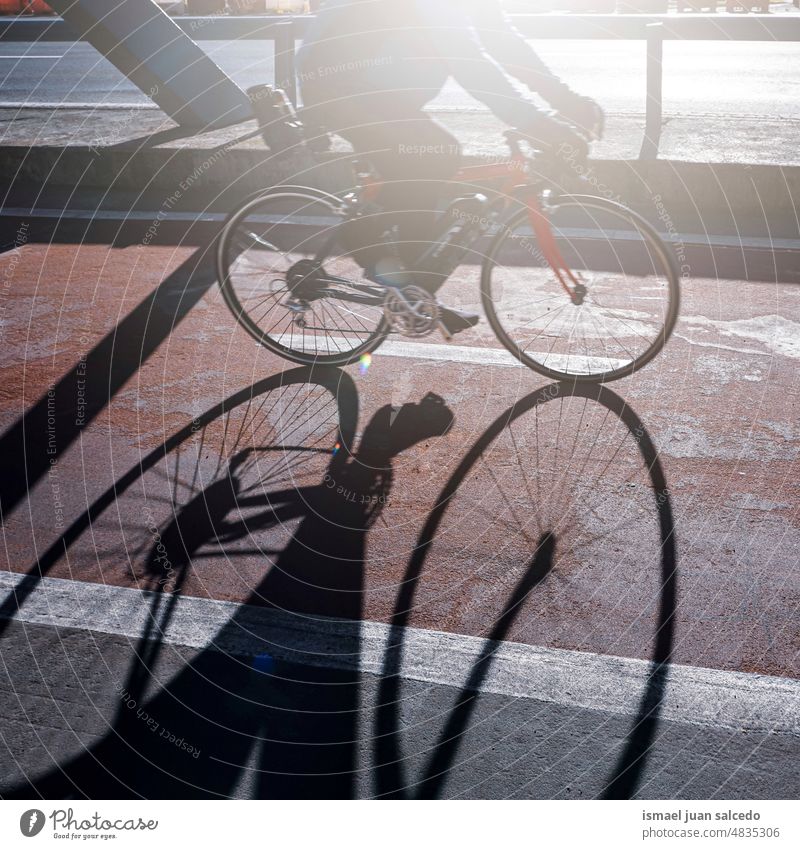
x,y
693,695
451,353
68,104
29,56
428,351
461,353
694,240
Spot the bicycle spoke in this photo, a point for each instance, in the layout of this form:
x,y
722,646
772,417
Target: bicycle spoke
x,y
621,320
314,312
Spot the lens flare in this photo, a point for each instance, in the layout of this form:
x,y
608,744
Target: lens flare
x,y
365,361
264,663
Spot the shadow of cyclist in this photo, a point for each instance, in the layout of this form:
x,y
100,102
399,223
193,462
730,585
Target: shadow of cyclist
x,y
285,730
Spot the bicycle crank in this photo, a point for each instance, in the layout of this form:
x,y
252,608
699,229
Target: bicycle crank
x,y
411,311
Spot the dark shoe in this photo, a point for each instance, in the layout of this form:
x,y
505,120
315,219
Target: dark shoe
x,y
454,321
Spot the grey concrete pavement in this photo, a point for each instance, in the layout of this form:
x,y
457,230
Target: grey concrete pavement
x,y
540,723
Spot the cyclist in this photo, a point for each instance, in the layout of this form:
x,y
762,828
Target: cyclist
x,y
367,69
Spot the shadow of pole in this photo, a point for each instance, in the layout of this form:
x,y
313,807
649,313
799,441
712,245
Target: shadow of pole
x,y
389,774
26,453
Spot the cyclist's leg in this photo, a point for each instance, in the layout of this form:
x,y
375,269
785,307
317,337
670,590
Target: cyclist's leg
x,y
417,158
414,155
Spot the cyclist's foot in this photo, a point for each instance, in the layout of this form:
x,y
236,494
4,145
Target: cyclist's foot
x,y
454,321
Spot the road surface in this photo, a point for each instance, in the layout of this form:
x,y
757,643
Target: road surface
x,y
345,542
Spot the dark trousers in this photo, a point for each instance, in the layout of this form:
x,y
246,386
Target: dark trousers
x,y
414,156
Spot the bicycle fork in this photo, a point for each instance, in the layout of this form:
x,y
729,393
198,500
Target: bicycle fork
x,y
547,242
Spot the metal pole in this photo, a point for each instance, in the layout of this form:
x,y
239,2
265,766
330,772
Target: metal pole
x,y
285,74
159,58
654,106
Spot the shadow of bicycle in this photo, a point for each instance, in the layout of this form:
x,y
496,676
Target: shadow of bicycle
x,y
269,485
569,444
268,496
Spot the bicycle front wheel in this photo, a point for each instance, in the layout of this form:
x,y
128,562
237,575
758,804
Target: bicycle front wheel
x,y
290,288
632,291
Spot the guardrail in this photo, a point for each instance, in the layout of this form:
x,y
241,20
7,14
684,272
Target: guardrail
x,y
654,30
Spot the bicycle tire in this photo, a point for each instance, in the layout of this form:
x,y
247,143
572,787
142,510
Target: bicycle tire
x,y
241,313
660,249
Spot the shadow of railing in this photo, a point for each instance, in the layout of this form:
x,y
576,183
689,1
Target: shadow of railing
x,y
26,454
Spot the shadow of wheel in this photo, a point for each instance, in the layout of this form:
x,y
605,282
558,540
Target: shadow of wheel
x,y
208,491
390,776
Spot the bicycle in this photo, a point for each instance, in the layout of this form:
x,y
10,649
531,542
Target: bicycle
x,y
574,286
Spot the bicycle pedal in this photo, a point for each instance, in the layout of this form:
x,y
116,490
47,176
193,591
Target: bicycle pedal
x,y
294,305
448,336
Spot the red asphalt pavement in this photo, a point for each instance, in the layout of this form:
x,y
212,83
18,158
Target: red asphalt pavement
x,y
719,405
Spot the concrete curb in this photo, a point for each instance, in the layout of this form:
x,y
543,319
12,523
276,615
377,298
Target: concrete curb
x,y
691,695
759,200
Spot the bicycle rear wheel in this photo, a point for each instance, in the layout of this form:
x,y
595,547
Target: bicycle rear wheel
x,y
632,291
287,286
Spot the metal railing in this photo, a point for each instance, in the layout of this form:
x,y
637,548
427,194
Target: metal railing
x,y
654,30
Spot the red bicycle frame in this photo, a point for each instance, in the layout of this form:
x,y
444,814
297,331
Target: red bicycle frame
x,y
506,175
